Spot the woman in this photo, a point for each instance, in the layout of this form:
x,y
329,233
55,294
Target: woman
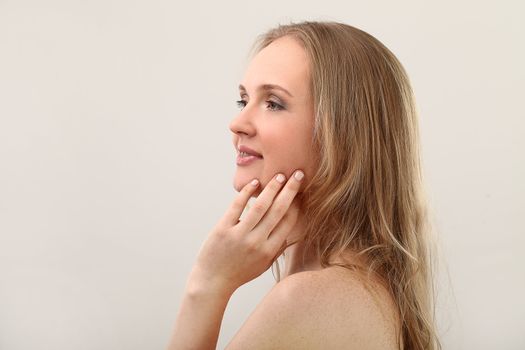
x,y
330,109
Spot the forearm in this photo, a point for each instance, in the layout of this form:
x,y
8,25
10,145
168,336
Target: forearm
x,y
200,316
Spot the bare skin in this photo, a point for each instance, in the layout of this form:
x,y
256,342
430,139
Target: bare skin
x,y
324,309
277,125
312,307
234,253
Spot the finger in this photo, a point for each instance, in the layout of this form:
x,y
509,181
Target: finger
x,y
278,237
239,203
280,206
262,203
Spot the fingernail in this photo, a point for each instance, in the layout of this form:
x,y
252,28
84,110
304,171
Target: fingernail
x,y
280,178
299,175
255,182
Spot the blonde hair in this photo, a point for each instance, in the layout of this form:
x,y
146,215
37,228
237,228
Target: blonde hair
x,y
367,194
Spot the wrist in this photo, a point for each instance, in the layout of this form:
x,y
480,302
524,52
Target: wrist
x,y
200,284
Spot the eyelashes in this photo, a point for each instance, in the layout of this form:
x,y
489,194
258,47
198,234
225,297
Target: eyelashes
x,y
272,106
241,104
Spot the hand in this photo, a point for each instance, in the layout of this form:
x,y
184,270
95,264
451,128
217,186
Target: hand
x,y
236,252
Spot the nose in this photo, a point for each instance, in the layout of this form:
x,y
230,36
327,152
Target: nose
x,y
243,123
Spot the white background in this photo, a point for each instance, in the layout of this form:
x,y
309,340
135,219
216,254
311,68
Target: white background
x,y
116,159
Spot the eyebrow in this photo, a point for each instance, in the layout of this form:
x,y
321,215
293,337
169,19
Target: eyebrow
x,y
266,87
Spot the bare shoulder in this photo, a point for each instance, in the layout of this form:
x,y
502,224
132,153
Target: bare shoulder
x,y
325,309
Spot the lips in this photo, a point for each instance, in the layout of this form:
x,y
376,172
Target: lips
x,y
249,151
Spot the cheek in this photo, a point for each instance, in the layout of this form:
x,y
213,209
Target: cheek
x,y
287,152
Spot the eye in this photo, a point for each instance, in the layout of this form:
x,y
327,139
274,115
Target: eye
x,y
274,106
241,104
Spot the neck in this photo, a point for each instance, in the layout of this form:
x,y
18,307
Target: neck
x,y
294,254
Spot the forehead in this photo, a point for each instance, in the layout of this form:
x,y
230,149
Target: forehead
x,y
284,62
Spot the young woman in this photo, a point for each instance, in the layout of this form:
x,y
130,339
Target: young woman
x,y
328,132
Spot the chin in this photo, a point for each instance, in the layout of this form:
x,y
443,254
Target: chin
x,y
236,187
239,183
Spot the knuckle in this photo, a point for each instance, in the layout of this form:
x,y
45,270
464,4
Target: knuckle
x,y
293,216
259,208
293,186
218,228
293,211
221,235
268,254
286,222
251,245
238,204
285,218
225,232
280,208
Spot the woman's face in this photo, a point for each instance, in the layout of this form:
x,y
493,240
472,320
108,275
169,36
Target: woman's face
x,y
276,124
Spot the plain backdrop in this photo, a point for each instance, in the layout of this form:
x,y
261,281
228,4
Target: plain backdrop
x,y
116,159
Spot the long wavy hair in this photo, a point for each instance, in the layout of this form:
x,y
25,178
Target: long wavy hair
x,y
367,195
